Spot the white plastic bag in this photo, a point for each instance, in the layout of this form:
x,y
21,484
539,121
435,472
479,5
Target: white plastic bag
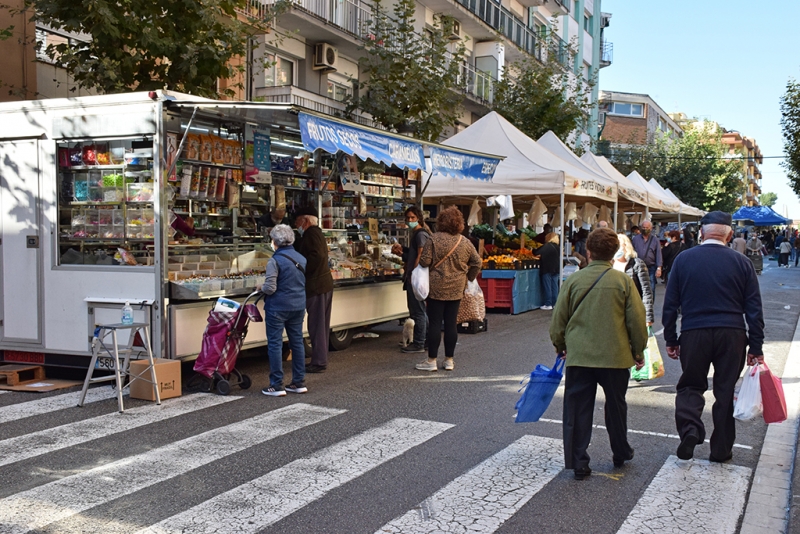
x,y
748,403
420,282
474,214
473,289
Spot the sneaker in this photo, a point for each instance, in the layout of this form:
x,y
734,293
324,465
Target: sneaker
x,y
274,391
425,365
413,347
546,308
296,388
449,365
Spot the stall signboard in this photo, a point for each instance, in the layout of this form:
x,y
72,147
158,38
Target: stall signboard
x,y
462,165
257,156
333,136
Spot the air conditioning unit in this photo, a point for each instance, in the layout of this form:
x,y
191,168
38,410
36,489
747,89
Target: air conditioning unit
x,y
325,57
455,33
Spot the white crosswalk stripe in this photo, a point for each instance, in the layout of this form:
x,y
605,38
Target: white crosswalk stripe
x,y
22,410
35,508
61,437
690,496
259,503
3,391
485,497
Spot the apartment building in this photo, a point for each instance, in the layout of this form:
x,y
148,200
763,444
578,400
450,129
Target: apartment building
x,y
310,56
632,119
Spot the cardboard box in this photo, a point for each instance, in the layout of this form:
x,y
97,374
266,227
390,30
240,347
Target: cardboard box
x,y
168,377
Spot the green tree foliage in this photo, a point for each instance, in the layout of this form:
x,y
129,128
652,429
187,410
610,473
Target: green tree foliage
x,y
407,81
183,45
695,167
767,199
540,96
790,124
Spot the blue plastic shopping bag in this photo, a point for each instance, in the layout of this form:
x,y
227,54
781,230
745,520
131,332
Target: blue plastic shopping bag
x,y
539,391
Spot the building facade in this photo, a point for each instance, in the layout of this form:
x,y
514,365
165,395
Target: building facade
x,y
632,119
746,148
310,57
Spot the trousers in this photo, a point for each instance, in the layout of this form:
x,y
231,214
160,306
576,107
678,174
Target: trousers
x,y
442,311
292,322
550,287
580,390
319,326
725,349
416,311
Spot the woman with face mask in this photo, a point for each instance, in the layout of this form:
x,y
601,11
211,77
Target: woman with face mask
x,y
625,260
410,254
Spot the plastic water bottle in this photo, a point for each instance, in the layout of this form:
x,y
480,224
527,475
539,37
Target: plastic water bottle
x,y
127,313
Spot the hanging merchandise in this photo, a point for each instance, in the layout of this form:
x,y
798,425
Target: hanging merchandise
x,y
506,208
474,214
537,210
635,219
570,212
605,215
589,213
556,218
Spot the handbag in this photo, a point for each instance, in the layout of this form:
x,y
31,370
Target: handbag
x,y
772,396
420,276
538,391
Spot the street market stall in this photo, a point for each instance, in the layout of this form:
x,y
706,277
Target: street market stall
x,y
162,199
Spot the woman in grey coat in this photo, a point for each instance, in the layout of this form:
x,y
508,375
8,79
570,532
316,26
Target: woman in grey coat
x,y
626,261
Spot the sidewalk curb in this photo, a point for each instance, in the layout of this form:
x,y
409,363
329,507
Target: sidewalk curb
x,y
769,500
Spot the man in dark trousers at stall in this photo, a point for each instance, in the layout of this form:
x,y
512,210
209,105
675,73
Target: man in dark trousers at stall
x,y
716,290
319,286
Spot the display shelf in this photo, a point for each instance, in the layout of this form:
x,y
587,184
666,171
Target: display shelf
x,y
200,200
91,167
177,291
210,164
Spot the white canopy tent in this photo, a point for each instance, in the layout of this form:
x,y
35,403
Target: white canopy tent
x,y
636,193
683,208
658,199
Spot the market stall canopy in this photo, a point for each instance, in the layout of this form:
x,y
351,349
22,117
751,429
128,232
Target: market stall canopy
x,y
333,135
552,143
625,187
529,169
760,215
658,200
683,208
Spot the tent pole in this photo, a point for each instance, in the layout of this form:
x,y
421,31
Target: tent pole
x,y
616,208
561,244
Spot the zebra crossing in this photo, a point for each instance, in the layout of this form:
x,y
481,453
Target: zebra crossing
x,y
686,495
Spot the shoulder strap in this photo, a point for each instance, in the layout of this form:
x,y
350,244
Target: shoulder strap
x,y
588,290
451,251
296,264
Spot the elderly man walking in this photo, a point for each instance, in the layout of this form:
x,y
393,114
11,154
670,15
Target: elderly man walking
x,y
648,249
716,290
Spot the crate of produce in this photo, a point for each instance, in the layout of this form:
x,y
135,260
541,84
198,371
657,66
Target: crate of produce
x,y
472,327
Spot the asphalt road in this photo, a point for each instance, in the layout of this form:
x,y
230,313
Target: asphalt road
x,y
318,477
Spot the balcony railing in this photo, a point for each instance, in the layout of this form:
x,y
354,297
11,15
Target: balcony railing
x,y
606,54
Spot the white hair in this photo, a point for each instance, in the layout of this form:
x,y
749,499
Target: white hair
x,y
721,230
282,235
312,221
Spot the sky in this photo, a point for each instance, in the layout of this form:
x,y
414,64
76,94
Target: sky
x,y
723,60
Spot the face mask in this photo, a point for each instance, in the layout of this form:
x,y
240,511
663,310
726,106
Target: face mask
x,y
300,230
413,224
619,254
646,231
274,246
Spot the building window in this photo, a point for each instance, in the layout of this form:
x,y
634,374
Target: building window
x,y
278,71
575,12
587,22
338,91
623,108
662,125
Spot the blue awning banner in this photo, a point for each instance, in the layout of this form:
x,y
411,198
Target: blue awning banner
x,y
333,136
462,165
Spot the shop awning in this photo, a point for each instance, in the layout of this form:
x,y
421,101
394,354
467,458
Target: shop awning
x,y
332,136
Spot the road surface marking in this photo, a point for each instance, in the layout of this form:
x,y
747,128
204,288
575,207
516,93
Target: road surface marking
x,y
22,410
690,496
259,503
61,437
4,391
642,432
485,497
57,500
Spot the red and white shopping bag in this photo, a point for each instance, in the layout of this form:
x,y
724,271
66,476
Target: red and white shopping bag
x,y
772,396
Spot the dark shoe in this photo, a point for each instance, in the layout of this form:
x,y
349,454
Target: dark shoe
x,y
720,461
582,472
413,347
686,448
315,368
619,463
296,388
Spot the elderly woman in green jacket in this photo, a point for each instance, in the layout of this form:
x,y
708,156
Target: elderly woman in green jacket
x,y
599,326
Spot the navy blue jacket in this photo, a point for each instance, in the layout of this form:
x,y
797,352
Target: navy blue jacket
x,y
713,286
285,283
